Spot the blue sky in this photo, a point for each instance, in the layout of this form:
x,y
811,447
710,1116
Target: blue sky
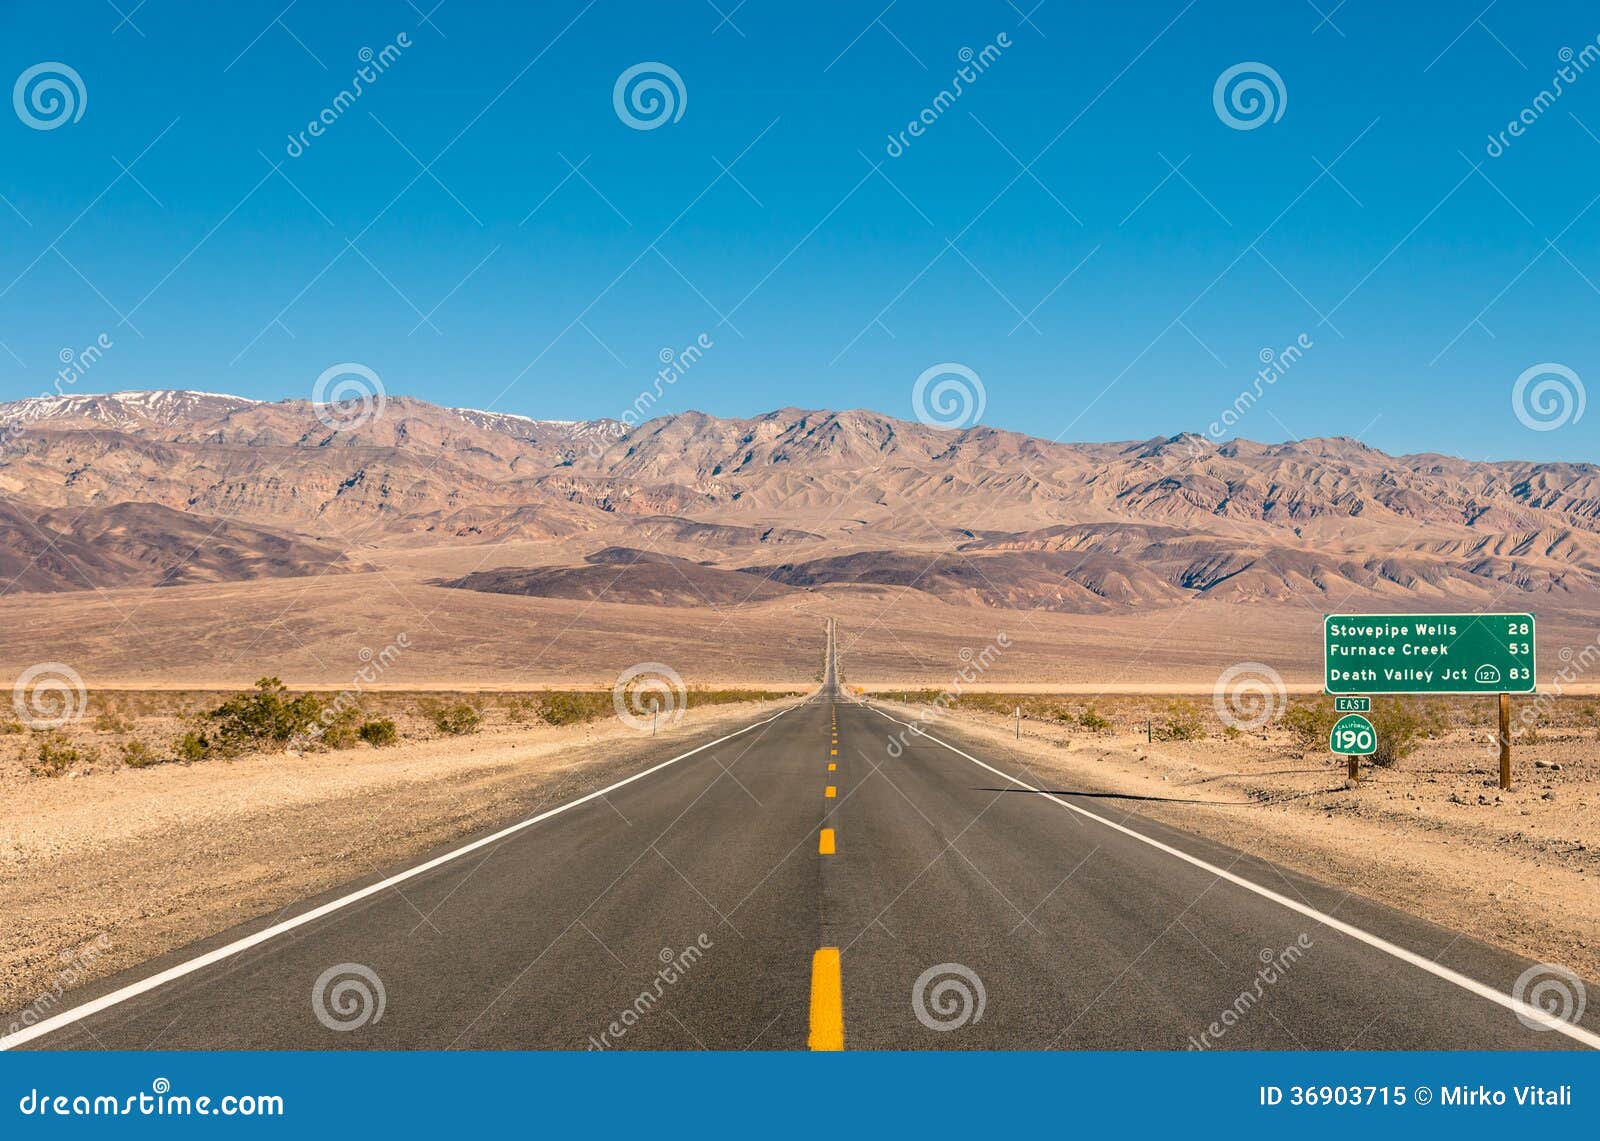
x,y
1035,233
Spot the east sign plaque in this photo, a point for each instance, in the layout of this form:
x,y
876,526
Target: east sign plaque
x,y
1428,653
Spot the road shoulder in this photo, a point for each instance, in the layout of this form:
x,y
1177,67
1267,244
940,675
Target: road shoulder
x,y
1474,884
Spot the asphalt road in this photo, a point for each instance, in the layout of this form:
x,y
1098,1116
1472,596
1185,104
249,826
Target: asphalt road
x,y
686,910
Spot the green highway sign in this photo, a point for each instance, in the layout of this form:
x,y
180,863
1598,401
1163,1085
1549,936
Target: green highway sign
x,y
1353,736
1428,653
1352,705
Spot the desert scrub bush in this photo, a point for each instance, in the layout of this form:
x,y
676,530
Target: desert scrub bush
x,y
572,708
378,732
1433,718
264,717
519,709
456,718
110,721
1398,723
341,726
137,755
990,703
719,696
56,755
1092,721
7,727
192,746
1309,723
910,696
1182,723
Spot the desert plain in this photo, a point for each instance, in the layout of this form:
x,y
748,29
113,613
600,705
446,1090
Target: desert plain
x,y
1073,607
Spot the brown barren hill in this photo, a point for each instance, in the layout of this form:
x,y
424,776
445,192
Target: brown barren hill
x,y
483,520
625,575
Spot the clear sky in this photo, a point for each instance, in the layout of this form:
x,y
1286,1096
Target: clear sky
x,y
1034,232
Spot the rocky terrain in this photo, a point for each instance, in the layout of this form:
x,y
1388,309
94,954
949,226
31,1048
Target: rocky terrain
x,y
167,488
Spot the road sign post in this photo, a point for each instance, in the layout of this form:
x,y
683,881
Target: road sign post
x,y
1505,740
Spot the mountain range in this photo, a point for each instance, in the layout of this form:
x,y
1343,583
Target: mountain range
x,y
172,488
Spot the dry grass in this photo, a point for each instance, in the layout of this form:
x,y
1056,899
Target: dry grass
x,y
141,729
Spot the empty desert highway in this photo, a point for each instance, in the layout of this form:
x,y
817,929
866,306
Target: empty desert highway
x,y
1079,934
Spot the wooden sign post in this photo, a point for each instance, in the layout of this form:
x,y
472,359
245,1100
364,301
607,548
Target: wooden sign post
x,y
1505,740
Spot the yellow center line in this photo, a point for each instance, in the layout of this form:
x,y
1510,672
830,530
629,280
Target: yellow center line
x,y
833,752
827,1001
832,765
830,792
825,842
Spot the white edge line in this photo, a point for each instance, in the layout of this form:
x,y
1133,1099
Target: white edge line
x,y
1524,1010
132,990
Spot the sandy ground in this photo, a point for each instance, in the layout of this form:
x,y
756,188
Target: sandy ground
x,y
1433,835
313,633
105,871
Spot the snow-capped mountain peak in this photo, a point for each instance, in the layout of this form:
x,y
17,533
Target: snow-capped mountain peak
x,y
162,406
